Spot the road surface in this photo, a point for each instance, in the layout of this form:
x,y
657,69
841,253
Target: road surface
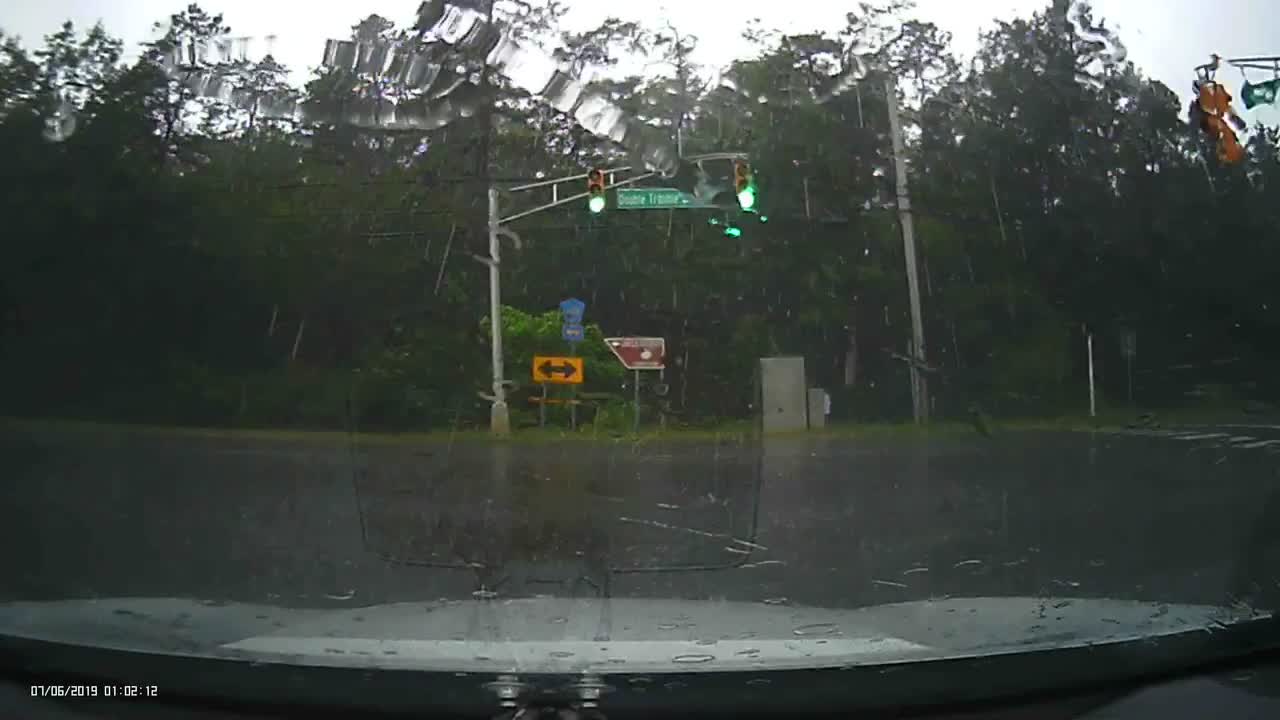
x,y
1187,515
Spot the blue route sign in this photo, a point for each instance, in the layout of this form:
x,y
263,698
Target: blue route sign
x,y
571,329
573,310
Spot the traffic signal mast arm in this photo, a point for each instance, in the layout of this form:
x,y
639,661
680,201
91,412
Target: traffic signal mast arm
x,y
556,200
610,183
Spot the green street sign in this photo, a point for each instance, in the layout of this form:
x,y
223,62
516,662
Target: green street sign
x,y
656,198
1264,93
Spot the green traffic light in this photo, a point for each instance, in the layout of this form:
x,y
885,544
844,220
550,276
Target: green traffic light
x,y
1264,93
733,231
747,198
596,203
764,218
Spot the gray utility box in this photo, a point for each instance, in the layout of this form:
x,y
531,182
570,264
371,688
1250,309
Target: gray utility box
x,y
783,401
817,408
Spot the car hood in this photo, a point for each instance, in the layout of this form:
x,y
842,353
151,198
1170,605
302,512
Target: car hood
x,y
576,635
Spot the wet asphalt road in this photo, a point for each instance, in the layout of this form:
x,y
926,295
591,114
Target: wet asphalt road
x,y
1185,515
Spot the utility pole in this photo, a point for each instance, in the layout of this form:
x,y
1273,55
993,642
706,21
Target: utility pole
x,y
499,414
919,385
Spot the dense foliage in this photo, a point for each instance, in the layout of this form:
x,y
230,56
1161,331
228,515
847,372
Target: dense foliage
x,y
176,260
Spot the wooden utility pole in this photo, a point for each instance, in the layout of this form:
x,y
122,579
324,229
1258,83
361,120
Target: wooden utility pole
x,y
919,385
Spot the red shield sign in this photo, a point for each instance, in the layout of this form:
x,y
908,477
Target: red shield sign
x,y
639,353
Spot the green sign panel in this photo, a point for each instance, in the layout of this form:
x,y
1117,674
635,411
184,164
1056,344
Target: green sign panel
x,y
656,198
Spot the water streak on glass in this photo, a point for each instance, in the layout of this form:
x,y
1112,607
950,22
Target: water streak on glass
x,y
409,84
1097,45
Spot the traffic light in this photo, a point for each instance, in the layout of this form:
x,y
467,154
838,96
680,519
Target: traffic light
x,y
1264,93
1212,112
744,184
732,230
595,190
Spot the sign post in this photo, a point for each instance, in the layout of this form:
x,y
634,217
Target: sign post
x,y
636,354
1093,405
573,406
573,333
1129,347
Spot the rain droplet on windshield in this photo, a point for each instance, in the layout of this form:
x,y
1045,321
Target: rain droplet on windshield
x,y
693,658
816,629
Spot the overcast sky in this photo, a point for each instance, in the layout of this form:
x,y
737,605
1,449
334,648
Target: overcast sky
x,y
1165,38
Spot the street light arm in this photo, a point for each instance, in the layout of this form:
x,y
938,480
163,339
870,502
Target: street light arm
x,y
511,235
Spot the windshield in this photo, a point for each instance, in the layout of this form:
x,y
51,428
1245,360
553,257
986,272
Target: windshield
x,y
677,337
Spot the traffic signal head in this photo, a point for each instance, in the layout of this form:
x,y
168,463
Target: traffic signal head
x,y
1264,93
732,231
595,190
744,185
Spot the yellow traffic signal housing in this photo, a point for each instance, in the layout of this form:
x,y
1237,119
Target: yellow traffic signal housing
x,y
595,190
1214,106
744,185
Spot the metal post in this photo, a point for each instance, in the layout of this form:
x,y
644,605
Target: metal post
x,y
1093,407
857,92
499,416
542,408
637,391
1128,361
919,385
573,394
664,403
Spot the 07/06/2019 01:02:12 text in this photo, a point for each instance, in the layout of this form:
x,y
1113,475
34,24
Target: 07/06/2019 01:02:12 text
x,y
94,691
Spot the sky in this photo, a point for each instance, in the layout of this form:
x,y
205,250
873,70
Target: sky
x,y
1166,39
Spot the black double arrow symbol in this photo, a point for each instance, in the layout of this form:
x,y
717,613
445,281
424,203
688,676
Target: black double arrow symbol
x,y
567,369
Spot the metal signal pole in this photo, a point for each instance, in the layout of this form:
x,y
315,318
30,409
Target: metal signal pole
x,y
499,411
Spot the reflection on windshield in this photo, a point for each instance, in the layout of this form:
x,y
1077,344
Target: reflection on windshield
x,y
606,351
